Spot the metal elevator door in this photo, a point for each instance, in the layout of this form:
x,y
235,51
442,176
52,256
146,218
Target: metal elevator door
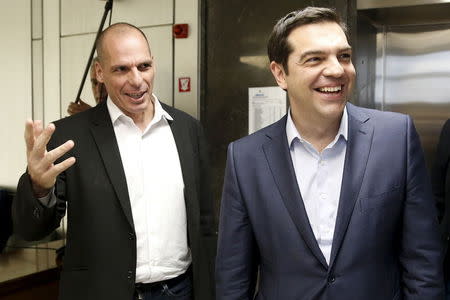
x,y
413,77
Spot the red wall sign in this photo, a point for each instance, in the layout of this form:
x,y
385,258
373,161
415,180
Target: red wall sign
x,y
180,31
184,84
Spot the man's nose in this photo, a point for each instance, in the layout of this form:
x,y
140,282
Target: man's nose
x,y
135,77
333,68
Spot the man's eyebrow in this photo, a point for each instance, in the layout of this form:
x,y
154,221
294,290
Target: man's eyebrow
x,y
147,61
319,52
349,48
311,53
113,67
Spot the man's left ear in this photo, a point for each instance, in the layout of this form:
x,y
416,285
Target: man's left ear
x,y
99,72
279,74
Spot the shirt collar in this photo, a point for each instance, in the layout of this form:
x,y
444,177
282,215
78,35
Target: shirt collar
x,y
292,133
115,112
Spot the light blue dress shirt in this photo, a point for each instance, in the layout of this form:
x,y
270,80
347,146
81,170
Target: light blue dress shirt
x,y
319,178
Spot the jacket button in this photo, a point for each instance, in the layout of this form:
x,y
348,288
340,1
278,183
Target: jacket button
x,y
331,279
36,213
130,275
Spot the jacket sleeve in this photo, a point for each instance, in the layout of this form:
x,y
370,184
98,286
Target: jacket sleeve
x,y
420,250
31,219
237,259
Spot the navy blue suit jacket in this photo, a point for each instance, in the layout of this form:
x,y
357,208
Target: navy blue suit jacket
x,y
386,242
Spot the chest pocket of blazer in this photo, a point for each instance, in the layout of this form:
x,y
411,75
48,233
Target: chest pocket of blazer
x,y
391,196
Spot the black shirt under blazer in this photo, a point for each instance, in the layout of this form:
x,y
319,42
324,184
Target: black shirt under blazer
x,y
100,257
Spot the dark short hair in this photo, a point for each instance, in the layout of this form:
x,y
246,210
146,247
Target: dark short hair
x,y
278,47
121,27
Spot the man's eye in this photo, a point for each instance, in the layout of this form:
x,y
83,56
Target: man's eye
x,y
144,67
313,59
120,69
345,56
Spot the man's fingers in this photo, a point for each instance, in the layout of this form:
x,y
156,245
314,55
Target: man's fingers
x,y
42,140
29,135
37,128
56,153
61,167
47,179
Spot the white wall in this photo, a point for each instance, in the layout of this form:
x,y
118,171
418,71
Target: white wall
x,y
186,56
48,46
15,80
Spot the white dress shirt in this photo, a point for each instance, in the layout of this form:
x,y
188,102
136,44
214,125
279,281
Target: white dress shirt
x,y
319,178
156,190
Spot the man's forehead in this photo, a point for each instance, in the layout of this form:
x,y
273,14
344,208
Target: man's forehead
x,y
115,37
123,48
326,27
318,34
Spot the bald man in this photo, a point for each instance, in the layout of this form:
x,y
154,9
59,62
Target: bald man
x,y
131,172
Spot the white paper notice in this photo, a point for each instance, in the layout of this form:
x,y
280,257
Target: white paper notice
x,y
266,105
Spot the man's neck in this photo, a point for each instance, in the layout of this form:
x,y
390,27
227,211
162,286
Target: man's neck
x,y
320,132
143,119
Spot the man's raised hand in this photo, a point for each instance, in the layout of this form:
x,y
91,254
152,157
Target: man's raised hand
x,y
41,167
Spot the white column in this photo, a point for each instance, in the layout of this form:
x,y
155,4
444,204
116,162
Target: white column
x,y
186,57
51,60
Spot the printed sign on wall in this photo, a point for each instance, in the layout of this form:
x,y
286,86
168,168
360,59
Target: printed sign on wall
x,y
184,84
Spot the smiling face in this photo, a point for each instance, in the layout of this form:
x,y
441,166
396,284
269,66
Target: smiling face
x,y
127,70
320,74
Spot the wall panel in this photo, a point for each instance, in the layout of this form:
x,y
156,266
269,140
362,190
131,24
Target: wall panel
x,y
16,87
186,57
84,16
38,82
75,52
51,63
81,16
160,40
143,13
36,11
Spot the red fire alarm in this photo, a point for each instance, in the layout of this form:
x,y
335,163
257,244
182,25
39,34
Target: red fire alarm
x,y
184,84
180,31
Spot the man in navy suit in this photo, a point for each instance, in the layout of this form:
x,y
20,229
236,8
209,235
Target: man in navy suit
x,y
333,201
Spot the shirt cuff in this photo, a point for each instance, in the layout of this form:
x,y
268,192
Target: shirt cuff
x,y
49,200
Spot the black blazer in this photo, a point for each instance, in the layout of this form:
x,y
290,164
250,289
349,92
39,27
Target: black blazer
x,y
100,257
441,189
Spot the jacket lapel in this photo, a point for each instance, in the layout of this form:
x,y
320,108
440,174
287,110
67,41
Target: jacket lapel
x,y
105,139
360,133
279,159
181,138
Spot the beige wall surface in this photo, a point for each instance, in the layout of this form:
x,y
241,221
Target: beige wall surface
x,y
15,80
